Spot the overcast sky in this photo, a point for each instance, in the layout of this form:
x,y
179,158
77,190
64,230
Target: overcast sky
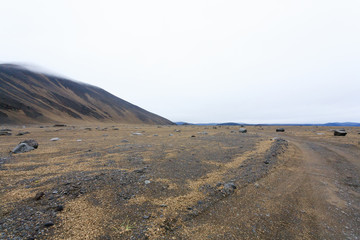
x,y
199,61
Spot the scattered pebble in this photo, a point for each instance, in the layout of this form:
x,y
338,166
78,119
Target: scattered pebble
x,y
55,139
147,181
48,224
59,208
39,195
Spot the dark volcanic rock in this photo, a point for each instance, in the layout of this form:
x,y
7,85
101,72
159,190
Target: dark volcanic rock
x,y
39,195
280,130
59,208
49,224
60,125
21,148
5,130
340,132
22,133
3,133
31,143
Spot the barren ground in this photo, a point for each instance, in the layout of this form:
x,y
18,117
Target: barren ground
x,y
165,184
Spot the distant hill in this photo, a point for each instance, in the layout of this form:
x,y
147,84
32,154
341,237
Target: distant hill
x,y
31,97
230,124
342,124
333,124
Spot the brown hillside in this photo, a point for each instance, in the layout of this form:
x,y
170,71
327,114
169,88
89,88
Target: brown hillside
x,y
31,97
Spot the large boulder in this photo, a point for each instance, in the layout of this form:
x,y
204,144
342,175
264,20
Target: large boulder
x,y
340,132
21,148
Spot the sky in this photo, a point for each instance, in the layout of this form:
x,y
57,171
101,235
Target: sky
x,y
258,61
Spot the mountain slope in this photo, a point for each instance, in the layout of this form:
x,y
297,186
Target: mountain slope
x,y
31,97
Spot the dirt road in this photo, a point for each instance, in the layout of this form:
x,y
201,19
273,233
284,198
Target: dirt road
x,y
312,193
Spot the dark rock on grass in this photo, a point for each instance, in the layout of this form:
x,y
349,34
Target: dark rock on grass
x,y
31,143
22,133
48,224
193,136
39,195
340,132
243,130
21,148
280,130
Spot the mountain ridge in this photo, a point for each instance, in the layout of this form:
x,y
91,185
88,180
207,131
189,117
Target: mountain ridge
x,y
33,97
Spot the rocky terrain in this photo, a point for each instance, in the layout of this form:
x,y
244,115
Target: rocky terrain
x,y
179,182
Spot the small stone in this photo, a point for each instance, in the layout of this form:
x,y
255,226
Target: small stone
x,y
79,140
59,125
39,195
22,133
4,133
139,171
59,208
31,143
55,192
280,130
55,139
229,187
146,216
163,205
124,141
49,224
147,181
243,130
